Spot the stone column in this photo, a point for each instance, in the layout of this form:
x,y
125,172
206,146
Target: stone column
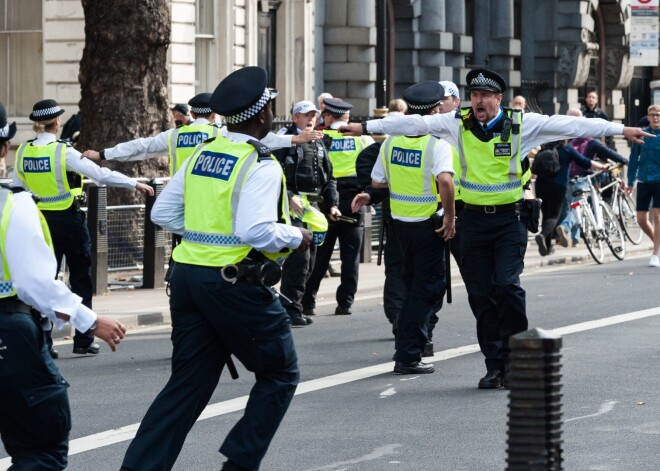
x,y
350,54
434,40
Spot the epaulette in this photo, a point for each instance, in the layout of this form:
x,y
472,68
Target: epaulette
x,y
66,141
262,149
468,118
210,139
515,128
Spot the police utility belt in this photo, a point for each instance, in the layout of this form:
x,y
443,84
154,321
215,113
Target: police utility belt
x,y
13,304
267,272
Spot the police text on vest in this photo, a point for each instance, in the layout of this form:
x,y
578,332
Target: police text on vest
x,y
214,165
36,164
406,157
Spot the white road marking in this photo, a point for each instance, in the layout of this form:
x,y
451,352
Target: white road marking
x,y
121,434
388,392
604,409
374,455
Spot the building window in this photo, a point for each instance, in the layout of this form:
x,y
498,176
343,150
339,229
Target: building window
x,y
204,46
21,55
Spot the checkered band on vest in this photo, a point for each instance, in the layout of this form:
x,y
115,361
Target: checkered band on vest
x,y
481,81
425,106
55,199
251,111
211,239
6,287
490,188
332,109
196,110
413,199
46,112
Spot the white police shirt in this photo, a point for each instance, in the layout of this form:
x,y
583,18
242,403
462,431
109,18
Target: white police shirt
x,y
442,163
150,147
33,268
100,175
537,129
256,216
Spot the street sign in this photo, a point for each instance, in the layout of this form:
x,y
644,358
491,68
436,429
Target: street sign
x,y
645,27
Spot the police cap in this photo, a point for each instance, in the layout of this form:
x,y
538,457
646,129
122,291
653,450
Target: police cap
x,y
201,103
7,131
485,79
242,94
337,106
45,110
423,96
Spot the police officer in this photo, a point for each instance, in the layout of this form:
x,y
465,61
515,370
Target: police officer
x,y
492,142
343,151
181,114
35,419
52,169
310,184
419,172
180,142
229,203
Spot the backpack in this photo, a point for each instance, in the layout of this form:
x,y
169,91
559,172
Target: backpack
x,y
546,163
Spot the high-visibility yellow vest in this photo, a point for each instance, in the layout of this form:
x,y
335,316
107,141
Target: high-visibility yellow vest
x,y
343,153
491,172
408,164
214,177
182,142
314,220
6,203
43,170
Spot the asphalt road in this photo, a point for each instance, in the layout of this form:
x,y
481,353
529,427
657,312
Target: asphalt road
x,y
351,413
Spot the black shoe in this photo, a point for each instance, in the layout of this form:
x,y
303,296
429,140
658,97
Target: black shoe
x,y
343,311
231,466
308,311
415,368
298,321
492,380
540,241
54,354
308,319
92,349
428,350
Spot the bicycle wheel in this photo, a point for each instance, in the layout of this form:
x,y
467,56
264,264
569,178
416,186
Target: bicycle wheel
x,y
613,232
590,236
628,219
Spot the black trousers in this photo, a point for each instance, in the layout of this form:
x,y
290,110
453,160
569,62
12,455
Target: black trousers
x,y
552,198
71,239
350,242
455,249
35,419
424,279
295,272
492,258
212,319
394,288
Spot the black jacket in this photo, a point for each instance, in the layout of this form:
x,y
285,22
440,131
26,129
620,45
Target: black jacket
x,y
308,170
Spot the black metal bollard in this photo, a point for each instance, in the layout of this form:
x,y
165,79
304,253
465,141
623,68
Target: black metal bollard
x,y
97,224
153,273
535,417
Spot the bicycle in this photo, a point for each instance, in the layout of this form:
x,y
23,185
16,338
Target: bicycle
x,y
597,222
623,206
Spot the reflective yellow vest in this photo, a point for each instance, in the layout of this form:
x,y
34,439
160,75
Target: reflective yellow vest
x,y
408,164
491,172
343,153
183,140
6,203
43,171
214,177
314,220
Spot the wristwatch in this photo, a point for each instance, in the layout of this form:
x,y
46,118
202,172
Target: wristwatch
x,y
364,127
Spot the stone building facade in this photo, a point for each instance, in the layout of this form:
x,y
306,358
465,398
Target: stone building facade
x,y
551,51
